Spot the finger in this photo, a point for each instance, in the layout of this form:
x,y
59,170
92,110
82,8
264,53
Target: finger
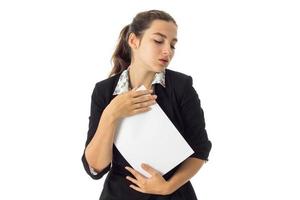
x,y
143,98
135,173
141,92
134,89
149,169
132,171
136,188
140,110
132,180
144,104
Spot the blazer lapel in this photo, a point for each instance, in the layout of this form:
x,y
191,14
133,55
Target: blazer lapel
x,y
166,100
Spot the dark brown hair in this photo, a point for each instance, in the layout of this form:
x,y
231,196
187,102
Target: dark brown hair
x,y
121,57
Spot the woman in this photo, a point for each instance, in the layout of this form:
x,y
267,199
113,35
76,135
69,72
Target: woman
x,y
145,48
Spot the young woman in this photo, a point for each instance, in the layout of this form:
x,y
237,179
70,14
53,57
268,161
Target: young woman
x,y
145,49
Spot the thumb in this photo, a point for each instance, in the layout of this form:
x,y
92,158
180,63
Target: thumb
x,y
134,89
149,169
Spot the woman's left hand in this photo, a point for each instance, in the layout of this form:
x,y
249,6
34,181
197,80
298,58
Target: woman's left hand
x,y
156,184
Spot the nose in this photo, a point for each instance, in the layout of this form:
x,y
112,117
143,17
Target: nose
x,y
167,51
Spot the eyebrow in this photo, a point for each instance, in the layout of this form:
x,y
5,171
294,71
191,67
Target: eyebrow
x,y
164,36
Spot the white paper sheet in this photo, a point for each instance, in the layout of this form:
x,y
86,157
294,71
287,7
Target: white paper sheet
x,y
151,138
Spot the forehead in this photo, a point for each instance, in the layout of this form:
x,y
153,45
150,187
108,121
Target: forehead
x,y
160,27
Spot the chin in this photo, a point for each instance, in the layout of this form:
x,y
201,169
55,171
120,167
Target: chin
x,y
158,71
159,68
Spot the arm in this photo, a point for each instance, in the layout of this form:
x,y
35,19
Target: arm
x,y
194,122
97,154
156,184
184,173
195,134
99,151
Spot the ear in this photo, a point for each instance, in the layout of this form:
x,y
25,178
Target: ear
x,y
133,41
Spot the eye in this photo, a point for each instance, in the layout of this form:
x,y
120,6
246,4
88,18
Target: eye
x,y
159,42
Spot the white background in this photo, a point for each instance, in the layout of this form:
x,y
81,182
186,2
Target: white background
x,y
243,57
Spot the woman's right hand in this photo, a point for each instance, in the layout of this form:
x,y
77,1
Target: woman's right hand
x,y
130,103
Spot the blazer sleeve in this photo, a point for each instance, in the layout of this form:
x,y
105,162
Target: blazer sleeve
x,y
194,122
97,106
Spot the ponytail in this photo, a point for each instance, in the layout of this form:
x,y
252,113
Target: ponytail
x,y
121,58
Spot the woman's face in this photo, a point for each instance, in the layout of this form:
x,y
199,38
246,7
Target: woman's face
x,y
157,46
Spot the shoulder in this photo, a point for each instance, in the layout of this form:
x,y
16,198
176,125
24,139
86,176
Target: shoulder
x,y
180,84
176,74
108,81
105,87
178,80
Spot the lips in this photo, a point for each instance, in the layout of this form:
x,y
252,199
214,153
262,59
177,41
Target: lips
x,y
164,60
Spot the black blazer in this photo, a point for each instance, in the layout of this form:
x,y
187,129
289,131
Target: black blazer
x,y
181,104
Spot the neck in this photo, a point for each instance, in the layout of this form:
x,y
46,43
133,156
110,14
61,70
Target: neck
x,y
140,76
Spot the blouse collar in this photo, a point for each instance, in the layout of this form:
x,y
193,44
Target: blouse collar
x,y
123,82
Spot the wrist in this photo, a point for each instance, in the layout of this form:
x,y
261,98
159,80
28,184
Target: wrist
x,y
168,188
110,116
